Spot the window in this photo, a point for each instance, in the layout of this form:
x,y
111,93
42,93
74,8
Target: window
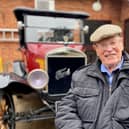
x,y
126,34
52,29
45,4
93,24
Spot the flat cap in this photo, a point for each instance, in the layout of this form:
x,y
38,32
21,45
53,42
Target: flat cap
x,y
105,31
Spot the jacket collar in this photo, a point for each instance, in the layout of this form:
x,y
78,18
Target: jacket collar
x,y
94,70
126,61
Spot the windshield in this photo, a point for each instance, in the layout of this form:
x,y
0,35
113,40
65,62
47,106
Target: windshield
x,y
52,29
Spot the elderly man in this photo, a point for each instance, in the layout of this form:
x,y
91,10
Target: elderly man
x,y
99,93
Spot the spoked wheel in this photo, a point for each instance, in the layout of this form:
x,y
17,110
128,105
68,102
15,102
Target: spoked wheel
x,y
6,111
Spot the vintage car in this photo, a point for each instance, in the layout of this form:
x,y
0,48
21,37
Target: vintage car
x,y
52,47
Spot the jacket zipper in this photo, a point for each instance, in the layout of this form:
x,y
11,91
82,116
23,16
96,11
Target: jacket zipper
x,y
110,90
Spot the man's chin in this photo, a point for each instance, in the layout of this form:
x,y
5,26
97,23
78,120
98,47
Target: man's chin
x,y
111,60
112,63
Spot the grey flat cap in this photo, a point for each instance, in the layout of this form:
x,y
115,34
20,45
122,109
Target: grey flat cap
x,y
105,31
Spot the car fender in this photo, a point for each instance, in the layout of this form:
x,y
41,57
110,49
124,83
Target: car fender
x,y
14,83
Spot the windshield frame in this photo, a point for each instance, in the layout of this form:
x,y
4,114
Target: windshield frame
x,y
53,29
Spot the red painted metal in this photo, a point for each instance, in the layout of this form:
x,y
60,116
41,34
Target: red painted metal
x,y
39,50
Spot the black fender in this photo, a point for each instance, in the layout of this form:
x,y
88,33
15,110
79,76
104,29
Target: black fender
x,y
14,84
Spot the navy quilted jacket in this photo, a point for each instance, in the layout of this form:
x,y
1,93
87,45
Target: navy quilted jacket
x,y
90,104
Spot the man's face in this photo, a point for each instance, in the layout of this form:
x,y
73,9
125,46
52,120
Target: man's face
x,y
110,50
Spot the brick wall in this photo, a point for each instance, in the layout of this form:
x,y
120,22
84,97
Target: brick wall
x,y
7,19
8,53
124,11
115,10
9,50
111,10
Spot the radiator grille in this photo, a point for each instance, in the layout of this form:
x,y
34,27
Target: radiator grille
x,y
60,70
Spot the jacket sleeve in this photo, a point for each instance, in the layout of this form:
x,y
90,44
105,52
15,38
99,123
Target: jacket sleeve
x,y
116,111
66,115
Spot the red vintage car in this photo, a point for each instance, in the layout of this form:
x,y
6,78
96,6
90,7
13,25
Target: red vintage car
x,y
52,45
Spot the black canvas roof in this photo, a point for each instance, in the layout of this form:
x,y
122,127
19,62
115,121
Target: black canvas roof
x,y
21,11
